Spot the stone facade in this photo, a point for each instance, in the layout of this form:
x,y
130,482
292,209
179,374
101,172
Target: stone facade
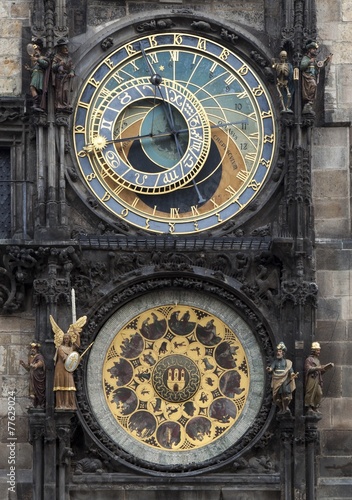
x,y
330,144
333,247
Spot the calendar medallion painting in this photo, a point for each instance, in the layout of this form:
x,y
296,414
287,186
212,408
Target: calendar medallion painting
x,y
176,377
180,378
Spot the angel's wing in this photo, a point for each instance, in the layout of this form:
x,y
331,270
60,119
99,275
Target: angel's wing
x,y
76,328
58,333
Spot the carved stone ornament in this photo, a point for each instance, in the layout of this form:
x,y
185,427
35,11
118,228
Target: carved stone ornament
x,y
299,292
19,265
88,465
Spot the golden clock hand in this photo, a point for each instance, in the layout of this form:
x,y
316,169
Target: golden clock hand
x,y
166,134
143,136
100,142
156,80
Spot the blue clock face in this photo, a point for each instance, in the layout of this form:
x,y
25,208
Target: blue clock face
x,y
174,133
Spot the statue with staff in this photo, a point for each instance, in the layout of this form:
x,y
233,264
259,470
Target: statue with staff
x,y
283,379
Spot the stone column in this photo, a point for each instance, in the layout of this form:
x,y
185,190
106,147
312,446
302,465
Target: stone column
x,y
63,420
312,437
286,430
37,433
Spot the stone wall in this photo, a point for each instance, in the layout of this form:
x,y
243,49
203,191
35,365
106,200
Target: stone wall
x,y
14,16
331,181
335,32
249,13
334,257
16,332
331,163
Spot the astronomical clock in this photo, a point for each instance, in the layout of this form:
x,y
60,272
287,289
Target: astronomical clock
x,y
157,173
174,135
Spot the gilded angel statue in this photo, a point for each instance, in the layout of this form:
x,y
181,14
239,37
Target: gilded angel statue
x,y
66,344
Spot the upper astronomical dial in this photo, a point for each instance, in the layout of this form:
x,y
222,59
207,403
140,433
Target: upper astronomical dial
x,y
174,133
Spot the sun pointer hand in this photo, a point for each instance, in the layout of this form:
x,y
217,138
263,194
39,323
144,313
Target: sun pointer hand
x,y
100,142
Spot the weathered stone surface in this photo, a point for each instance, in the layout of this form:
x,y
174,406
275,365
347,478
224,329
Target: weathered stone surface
x,y
349,329
331,150
332,209
102,12
332,387
178,492
23,456
338,442
325,410
336,466
331,329
332,489
333,283
10,29
332,228
21,430
13,383
346,309
3,359
341,283
329,257
331,309
17,325
342,413
346,10
328,12
20,9
328,184
9,86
